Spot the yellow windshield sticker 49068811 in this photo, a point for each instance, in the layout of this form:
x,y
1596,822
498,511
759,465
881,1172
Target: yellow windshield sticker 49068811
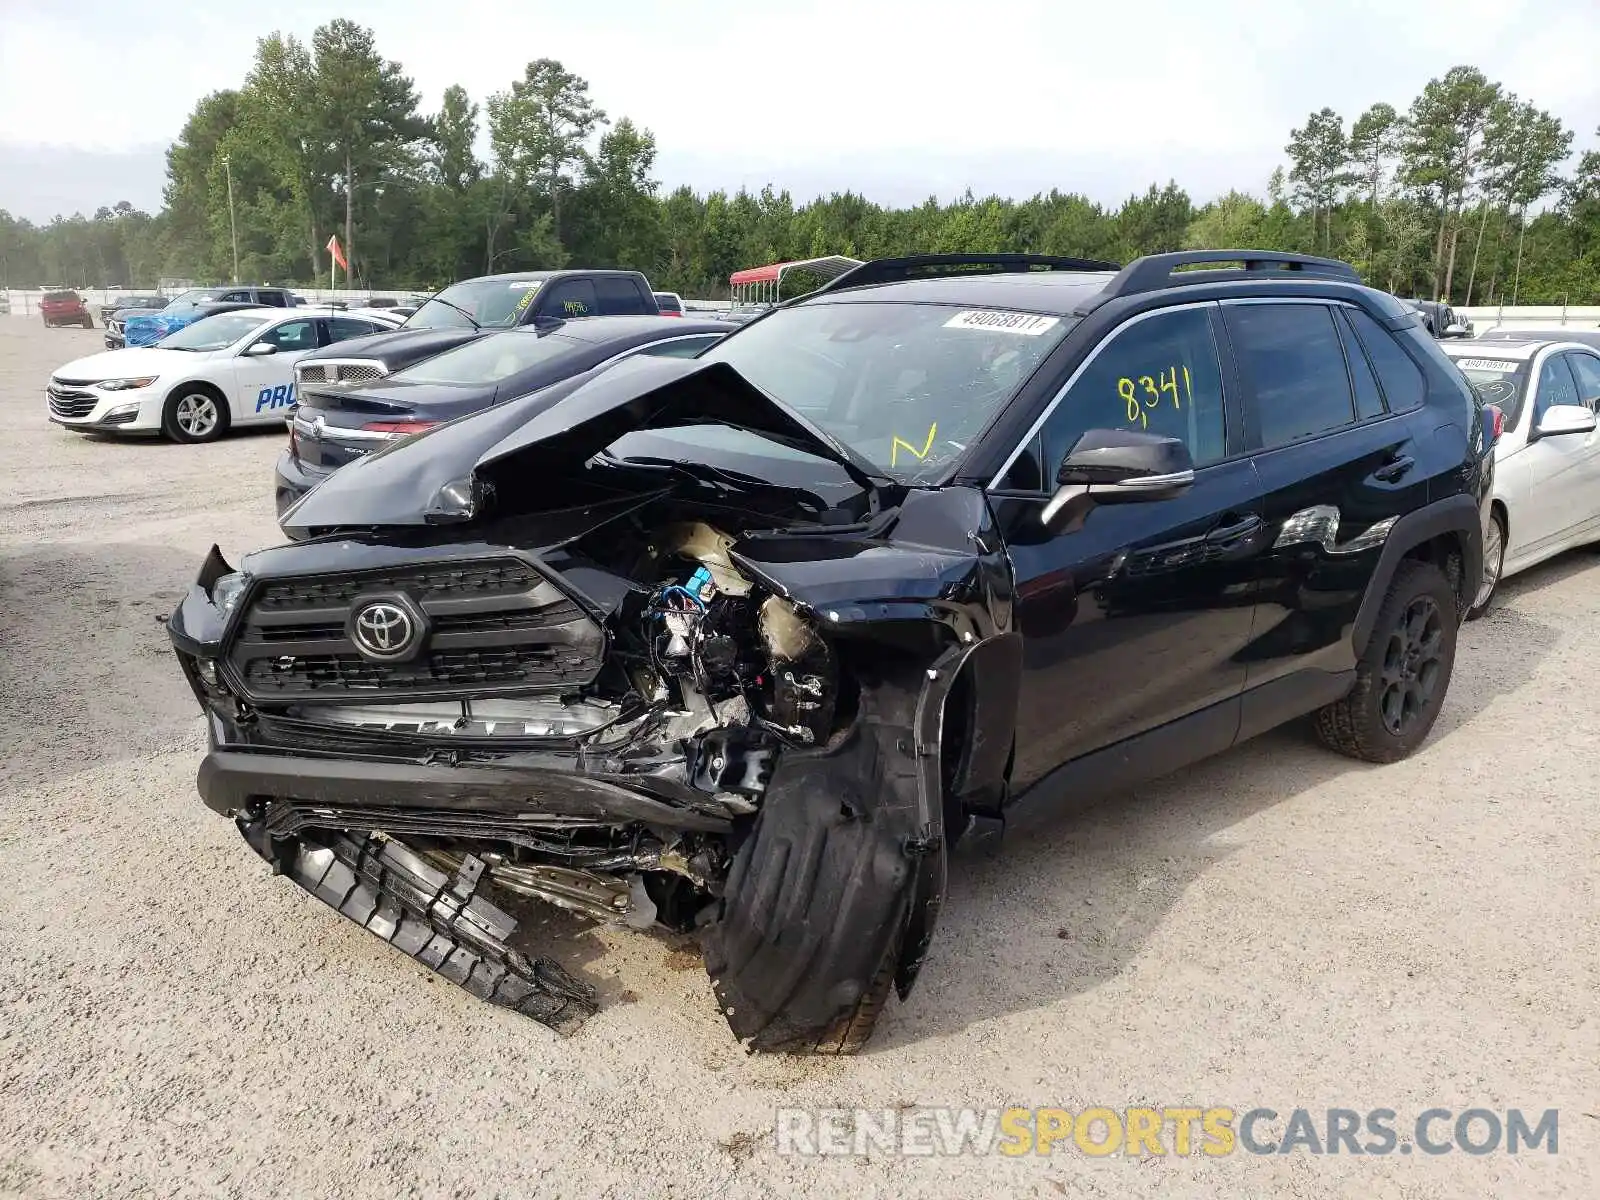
x,y
1145,394
899,444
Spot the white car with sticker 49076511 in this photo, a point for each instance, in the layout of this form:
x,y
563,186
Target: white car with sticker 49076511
x,y
1547,461
231,368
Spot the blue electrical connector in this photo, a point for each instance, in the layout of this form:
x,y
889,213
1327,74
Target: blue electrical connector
x,y
698,582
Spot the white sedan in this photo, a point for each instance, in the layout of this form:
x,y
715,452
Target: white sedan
x,y
231,368
1547,461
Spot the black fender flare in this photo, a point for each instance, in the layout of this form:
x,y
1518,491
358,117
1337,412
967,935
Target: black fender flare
x,y
993,668
1456,514
996,664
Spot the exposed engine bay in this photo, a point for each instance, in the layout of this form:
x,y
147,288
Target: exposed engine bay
x,y
717,675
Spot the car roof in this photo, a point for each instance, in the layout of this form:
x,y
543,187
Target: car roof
x,y
1586,337
605,329
539,276
1060,293
1518,351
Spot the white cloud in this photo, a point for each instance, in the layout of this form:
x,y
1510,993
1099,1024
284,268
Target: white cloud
x,y
893,97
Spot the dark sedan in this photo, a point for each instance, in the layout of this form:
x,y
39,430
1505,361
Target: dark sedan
x,y
141,303
114,316
335,425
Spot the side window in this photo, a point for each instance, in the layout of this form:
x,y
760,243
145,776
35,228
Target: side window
x,y
1369,400
273,298
1294,370
680,347
291,336
343,328
1556,386
1586,367
1158,375
619,296
570,298
236,296
1400,377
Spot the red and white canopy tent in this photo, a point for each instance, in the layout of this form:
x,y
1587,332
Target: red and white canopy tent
x,y
763,285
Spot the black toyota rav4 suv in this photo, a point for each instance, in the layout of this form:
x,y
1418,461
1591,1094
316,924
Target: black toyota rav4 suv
x,y
741,645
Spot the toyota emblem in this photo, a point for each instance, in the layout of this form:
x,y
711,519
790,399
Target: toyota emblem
x,y
384,630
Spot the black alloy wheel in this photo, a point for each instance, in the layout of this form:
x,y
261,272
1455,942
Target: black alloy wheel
x,y
1411,666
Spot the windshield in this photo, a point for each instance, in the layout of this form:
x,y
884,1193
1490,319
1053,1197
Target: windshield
x,y
490,359
195,296
906,386
492,303
1501,382
212,333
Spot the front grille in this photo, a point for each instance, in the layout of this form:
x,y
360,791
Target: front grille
x,y
70,402
494,626
339,372
489,577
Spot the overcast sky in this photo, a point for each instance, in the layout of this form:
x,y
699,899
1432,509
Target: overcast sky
x,y
894,98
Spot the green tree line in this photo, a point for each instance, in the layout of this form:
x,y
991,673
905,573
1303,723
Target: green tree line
x,y
1459,195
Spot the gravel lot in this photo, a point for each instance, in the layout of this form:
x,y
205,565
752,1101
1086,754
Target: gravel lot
x,y
1277,928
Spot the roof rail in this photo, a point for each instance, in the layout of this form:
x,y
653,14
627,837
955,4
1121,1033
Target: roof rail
x,y
934,266
1156,271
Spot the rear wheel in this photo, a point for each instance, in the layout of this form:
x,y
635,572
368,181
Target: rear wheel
x,y
193,414
1494,561
1403,674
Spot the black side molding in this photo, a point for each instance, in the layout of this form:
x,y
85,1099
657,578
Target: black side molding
x,y
1454,514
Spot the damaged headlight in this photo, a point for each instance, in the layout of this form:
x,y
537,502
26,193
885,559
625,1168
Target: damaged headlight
x,y
225,592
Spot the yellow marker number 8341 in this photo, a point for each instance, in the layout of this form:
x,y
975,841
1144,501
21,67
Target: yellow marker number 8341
x,y
1145,395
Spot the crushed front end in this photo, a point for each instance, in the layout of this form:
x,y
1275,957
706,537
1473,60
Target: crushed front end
x,y
640,693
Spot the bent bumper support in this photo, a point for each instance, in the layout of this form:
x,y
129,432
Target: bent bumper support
x,y
439,920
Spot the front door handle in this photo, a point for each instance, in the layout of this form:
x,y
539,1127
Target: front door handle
x,y
1236,531
1394,468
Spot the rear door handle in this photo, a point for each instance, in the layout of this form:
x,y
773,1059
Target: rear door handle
x,y
1394,468
1236,531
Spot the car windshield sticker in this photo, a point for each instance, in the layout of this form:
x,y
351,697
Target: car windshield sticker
x,y
1003,322
899,444
1150,390
1486,364
1496,391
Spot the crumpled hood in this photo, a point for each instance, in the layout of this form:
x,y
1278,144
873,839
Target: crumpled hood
x,y
553,429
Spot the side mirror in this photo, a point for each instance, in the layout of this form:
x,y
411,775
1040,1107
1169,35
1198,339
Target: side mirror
x,y
1565,418
1121,466
1458,330
259,348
